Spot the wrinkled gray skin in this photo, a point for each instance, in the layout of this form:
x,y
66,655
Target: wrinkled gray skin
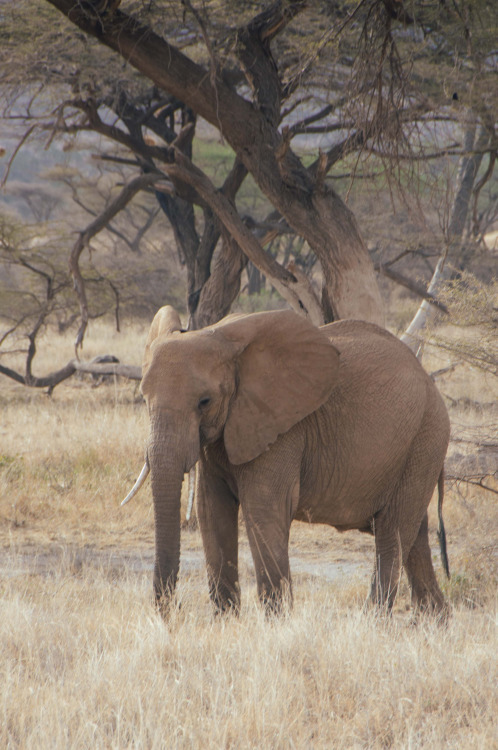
x,y
338,425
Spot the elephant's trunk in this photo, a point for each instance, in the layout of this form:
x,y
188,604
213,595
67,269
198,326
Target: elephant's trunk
x,y
166,458
166,492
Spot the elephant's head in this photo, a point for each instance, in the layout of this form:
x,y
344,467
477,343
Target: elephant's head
x,y
246,380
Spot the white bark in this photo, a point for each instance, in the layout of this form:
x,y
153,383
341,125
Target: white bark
x,y
412,337
467,173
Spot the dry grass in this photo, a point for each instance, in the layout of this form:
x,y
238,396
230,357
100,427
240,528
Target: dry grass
x,y
86,662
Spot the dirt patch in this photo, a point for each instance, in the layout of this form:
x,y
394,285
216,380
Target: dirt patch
x,y
314,552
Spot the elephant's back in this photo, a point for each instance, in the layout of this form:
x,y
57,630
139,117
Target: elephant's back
x,y
365,346
363,335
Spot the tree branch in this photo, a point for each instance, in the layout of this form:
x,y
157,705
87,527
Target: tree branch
x,y
48,381
253,51
53,379
131,372
320,217
136,145
14,154
413,286
125,196
164,64
412,335
283,280
476,482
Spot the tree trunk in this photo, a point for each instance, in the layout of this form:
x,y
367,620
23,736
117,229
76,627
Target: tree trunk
x,y
223,285
255,279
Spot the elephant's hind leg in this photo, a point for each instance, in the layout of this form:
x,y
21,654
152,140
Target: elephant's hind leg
x,y
218,513
426,594
388,556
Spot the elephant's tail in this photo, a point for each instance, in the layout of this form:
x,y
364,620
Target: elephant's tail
x,y
441,534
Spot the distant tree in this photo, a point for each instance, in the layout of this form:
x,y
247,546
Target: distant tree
x,y
35,293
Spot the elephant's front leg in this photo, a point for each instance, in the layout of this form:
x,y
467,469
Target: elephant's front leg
x,y
270,553
218,512
268,511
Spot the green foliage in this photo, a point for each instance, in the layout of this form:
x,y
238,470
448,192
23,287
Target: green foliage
x,y
267,299
473,587
6,461
12,468
216,160
472,304
34,285
471,301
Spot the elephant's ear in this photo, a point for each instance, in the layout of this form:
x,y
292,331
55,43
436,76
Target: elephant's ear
x,y
287,368
166,321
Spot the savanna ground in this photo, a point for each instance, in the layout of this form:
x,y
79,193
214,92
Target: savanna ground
x,y
85,661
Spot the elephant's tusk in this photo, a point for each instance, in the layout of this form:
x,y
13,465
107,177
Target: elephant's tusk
x,y
141,479
191,493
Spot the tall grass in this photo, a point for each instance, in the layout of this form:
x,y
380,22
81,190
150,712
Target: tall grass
x,y
85,661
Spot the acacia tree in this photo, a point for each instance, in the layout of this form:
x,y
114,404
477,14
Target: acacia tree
x,y
300,194
243,83
310,206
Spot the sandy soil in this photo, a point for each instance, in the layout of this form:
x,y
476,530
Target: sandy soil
x,y
315,551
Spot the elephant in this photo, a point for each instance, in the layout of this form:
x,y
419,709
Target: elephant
x,y
336,425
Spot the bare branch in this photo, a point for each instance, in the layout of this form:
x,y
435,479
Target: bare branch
x,y
302,125
283,147
327,37
125,196
307,294
340,150
484,179
321,170
273,19
53,379
15,152
48,381
178,75
131,372
453,149
413,286
476,482
205,36
222,286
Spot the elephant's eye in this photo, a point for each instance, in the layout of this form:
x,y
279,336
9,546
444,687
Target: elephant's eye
x,y
204,402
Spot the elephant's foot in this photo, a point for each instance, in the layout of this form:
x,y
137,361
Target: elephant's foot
x,y
225,599
277,600
430,605
423,614
164,596
166,604
384,588
427,597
